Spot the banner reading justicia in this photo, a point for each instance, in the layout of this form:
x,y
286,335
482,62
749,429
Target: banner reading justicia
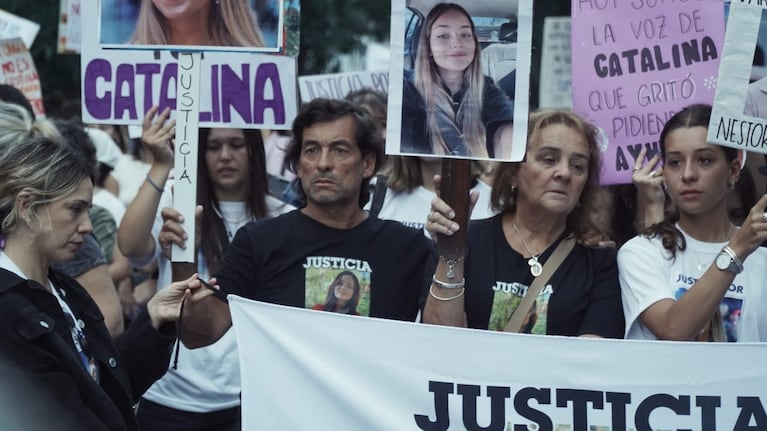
x,y
303,369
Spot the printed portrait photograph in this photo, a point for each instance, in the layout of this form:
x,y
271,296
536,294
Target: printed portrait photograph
x,y
208,25
459,64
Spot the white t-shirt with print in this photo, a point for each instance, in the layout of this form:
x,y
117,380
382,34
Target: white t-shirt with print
x,y
648,275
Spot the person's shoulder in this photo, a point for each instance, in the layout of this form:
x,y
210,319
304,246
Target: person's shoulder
x,y
275,220
408,75
485,226
758,86
276,207
640,244
395,231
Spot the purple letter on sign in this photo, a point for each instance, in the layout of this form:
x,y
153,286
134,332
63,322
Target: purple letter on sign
x,y
98,107
268,72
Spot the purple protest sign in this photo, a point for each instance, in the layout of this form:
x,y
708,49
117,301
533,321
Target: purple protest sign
x,y
641,61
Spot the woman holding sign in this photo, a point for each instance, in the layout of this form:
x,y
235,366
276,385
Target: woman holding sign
x,y
697,256
203,392
197,22
532,268
448,106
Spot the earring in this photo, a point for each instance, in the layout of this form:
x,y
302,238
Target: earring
x,y
731,184
513,188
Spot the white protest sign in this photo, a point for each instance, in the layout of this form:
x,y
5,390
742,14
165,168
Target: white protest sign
x,y
187,137
13,26
338,85
739,115
18,69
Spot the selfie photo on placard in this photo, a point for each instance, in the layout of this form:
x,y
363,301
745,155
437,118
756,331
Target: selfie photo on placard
x,y
457,87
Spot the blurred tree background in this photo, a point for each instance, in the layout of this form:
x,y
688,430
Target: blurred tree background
x,y
328,28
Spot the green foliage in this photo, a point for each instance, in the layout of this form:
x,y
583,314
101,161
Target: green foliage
x,y
333,27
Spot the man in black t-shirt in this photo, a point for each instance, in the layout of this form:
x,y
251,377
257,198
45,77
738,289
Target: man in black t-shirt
x,y
330,254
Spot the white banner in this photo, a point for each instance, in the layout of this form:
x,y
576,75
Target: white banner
x,y
305,369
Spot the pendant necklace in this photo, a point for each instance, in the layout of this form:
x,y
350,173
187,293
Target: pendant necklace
x,y
535,267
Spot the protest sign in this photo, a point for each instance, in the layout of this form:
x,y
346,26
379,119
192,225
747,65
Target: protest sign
x,y
642,62
14,26
18,70
556,83
238,90
739,116
338,85
69,27
501,57
236,25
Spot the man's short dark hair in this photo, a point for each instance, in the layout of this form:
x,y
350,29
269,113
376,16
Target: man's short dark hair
x,y
367,135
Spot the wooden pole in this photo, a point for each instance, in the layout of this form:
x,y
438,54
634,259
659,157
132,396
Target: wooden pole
x,y
454,190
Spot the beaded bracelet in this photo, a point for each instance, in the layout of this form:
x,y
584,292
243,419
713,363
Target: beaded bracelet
x,y
153,184
444,285
443,298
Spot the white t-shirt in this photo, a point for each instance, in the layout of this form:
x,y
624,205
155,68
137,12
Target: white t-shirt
x,y
207,378
105,199
129,174
647,275
411,209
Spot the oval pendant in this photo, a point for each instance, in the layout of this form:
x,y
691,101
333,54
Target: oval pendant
x,y
535,267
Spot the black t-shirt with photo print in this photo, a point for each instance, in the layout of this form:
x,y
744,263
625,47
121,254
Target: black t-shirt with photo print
x,y
294,260
581,297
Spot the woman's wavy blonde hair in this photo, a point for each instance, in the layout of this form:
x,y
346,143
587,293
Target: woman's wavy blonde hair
x,y
230,22
437,98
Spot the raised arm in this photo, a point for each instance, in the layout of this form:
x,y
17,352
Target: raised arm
x,y
648,179
134,235
684,318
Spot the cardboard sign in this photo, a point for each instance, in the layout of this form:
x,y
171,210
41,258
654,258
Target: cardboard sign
x,y
739,117
641,62
338,85
18,69
13,26
239,90
504,64
233,25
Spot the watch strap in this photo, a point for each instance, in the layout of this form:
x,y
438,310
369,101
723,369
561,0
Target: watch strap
x,y
736,265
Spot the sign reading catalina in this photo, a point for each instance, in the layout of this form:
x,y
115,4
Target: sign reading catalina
x,y
242,90
682,54
127,91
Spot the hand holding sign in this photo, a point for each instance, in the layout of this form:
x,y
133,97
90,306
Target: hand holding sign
x,y
157,135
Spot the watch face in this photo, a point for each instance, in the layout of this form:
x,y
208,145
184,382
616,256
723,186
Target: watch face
x,y
723,261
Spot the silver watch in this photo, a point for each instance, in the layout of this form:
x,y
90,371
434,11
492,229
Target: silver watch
x,y
728,261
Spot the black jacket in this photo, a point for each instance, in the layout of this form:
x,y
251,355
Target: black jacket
x,y
45,385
